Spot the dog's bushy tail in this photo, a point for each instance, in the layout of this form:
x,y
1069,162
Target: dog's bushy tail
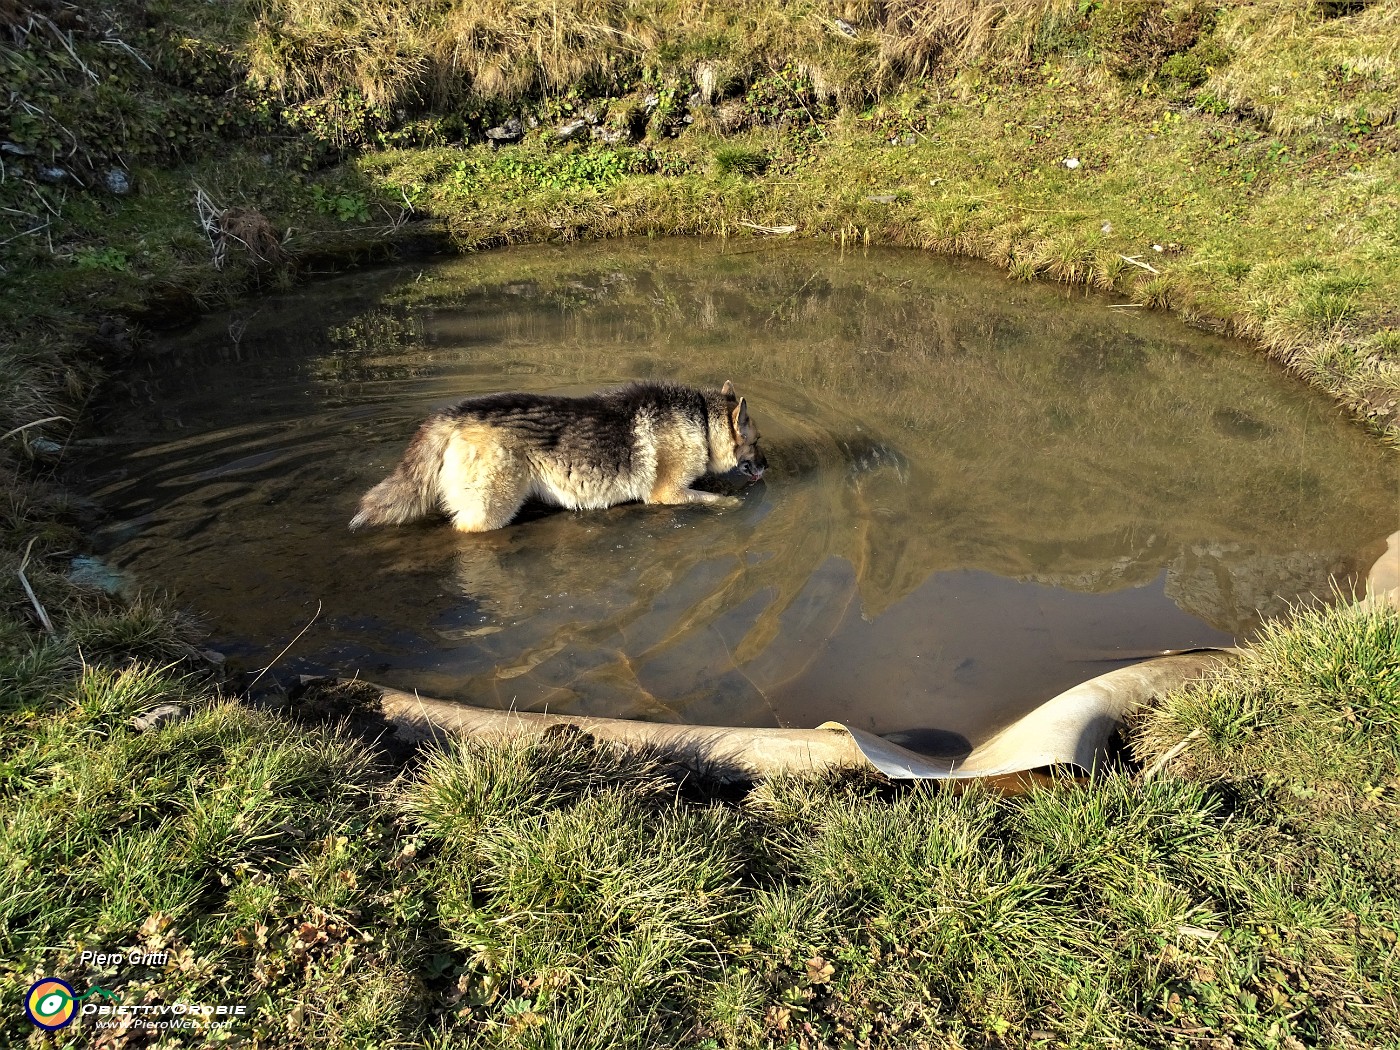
x,y
411,491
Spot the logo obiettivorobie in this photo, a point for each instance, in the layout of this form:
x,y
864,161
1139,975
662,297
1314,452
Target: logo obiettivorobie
x,y
50,1003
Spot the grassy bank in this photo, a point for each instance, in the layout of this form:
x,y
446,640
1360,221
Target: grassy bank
x,y
1236,163
555,896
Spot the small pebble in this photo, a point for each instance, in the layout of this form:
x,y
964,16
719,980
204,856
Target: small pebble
x,y
45,447
157,717
117,182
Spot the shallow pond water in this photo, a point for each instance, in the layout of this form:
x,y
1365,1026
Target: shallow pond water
x,y
979,492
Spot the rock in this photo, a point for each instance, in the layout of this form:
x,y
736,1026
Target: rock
x,y
117,182
532,122
910,139
48,174
882,198
707,80
572,130
693,99
157,717
510,131
1071,163
845,27
46,448
649,104
113,336
731,117
95,573
595,114
610,136
16,149
213,656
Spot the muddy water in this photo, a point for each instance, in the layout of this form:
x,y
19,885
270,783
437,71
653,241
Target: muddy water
x,y
979,493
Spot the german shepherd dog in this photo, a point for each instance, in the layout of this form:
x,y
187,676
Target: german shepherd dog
x,y
481,458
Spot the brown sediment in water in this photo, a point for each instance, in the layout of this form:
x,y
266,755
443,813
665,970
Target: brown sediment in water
x,y
1074,729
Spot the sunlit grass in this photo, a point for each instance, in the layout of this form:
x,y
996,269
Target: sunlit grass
x,y
553,894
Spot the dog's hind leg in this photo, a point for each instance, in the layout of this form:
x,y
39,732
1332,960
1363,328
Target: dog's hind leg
x,y
483,483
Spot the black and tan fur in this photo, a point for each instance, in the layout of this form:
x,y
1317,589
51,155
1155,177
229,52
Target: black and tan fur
x,y
480,459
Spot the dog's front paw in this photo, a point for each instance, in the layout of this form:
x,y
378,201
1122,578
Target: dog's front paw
x,y
711,499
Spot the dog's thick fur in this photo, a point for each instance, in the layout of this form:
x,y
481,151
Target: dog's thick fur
x,y
480,459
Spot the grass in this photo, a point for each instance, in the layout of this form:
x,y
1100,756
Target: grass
x,y
1235,163
1188,182
394,53
552,895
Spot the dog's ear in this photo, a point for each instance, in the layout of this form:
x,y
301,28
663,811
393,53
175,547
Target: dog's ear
x,y
728,389
741,415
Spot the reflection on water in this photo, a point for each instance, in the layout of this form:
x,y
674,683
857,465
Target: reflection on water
x,y
978,492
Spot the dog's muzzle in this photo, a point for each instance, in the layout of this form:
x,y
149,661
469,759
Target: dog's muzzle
x,y
754,466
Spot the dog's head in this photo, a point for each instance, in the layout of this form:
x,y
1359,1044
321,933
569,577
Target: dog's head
x,y
744,432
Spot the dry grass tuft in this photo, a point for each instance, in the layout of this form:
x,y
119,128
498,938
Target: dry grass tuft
x,y
916,36
246,228
1296,69
393,53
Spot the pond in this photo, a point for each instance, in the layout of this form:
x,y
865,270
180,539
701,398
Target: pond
x,y
979,492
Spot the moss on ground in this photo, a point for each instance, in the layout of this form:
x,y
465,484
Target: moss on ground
x,y
1236,163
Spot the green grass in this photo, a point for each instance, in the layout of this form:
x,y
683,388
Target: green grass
x,y
555,895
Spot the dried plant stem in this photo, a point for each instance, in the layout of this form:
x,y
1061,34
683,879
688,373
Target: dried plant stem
x,y
288,647
33,598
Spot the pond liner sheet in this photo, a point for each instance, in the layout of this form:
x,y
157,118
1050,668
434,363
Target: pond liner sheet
x,y
1076,727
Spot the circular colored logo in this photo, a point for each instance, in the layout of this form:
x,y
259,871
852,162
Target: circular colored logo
x,y
49,1003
